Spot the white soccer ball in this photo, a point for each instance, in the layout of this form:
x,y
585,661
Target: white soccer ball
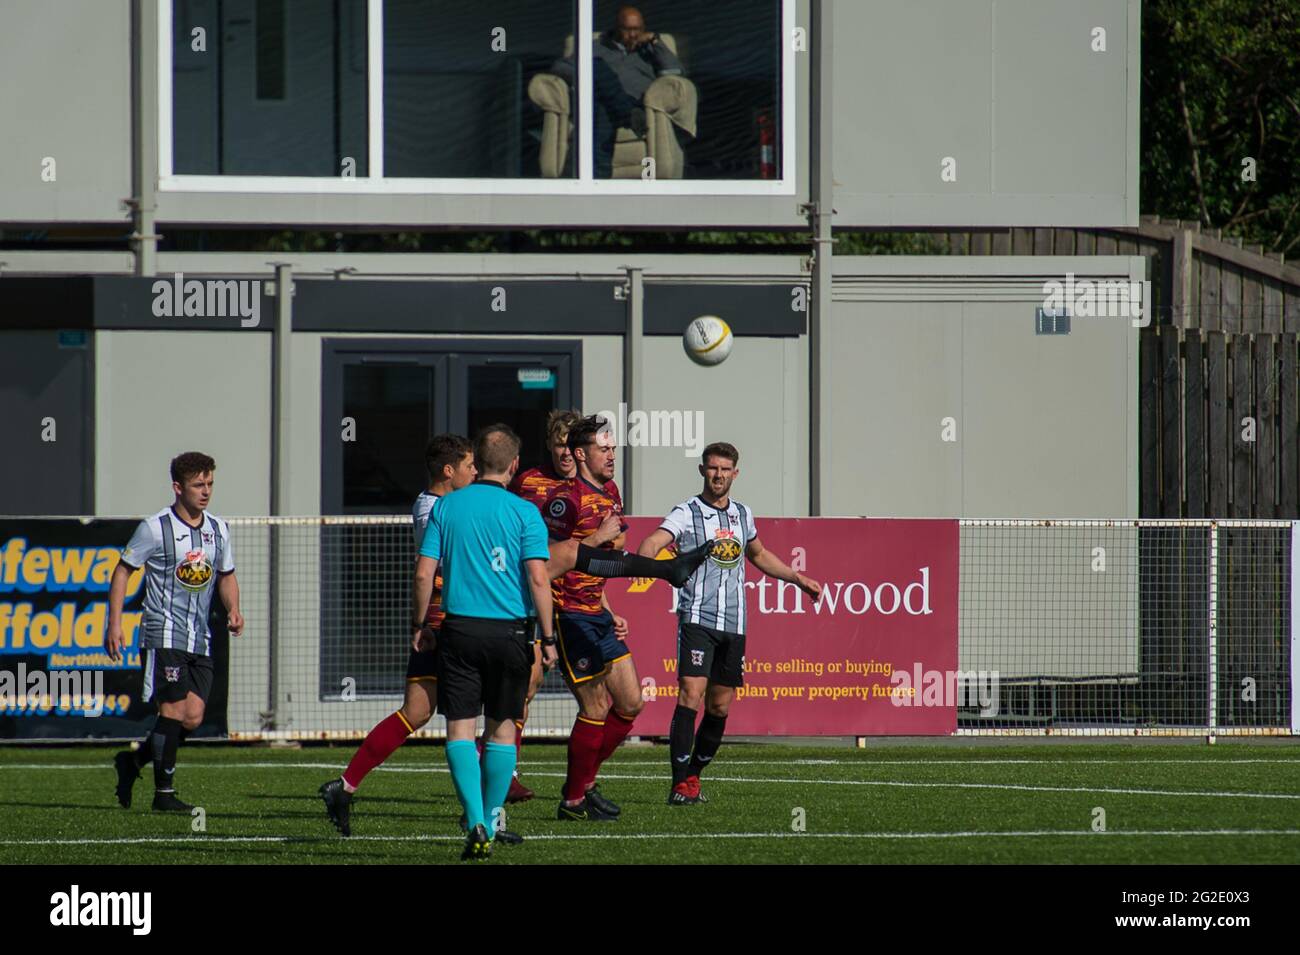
x,y
708,340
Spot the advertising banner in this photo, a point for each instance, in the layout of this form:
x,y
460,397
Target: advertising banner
x,y
876,654
56,680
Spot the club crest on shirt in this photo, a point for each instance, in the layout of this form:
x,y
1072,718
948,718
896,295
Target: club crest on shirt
x,y
726,550
209,537
172,674
195,571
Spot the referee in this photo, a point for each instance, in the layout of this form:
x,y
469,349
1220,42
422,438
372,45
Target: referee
x,y
492,548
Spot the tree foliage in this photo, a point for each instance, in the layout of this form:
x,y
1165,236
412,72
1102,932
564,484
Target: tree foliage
x,y
1221,87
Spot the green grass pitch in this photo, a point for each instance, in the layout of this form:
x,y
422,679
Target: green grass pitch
x,y
980,803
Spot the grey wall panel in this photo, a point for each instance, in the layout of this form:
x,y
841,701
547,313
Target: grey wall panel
x,y
161,393
1045,426
1060,122
46,392
66,95
895,373
747,400
1045,423
911,87
1042,128
314,209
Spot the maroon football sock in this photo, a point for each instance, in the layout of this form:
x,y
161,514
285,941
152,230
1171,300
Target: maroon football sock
x,y
617,726
380,743
584,756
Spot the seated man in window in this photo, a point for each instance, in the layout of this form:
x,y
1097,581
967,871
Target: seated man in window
x,y
625,61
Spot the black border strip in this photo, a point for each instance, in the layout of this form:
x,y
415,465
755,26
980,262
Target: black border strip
x,y
767,310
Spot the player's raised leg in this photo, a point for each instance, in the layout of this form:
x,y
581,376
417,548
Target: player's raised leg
x,y
573,555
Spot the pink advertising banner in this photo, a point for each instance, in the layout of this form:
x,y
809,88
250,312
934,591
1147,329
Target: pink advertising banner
x,y
873,656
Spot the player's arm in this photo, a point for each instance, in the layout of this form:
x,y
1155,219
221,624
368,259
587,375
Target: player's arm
x,y
135,555
535,556
539,583
116,598
228,591
426,570
422,591
773,566
652,545
620,623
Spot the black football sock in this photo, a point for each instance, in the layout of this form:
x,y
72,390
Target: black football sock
x,y
613,563
707,740
144,752
164,740
681,734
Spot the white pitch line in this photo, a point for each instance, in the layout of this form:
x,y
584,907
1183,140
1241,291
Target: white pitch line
x,y
591,837
527,764
752,780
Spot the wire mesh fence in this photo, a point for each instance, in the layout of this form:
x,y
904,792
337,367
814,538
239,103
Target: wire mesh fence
x,y
1167,626
330,659
1160,627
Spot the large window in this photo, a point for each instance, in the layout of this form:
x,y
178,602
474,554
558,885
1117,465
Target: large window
x,y
456,82
675,96
268,87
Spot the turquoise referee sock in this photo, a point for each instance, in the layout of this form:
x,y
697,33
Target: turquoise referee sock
x,y
462,757
498,770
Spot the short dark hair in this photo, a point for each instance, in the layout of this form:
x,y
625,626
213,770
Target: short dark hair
x,y
444,449
721,449
584,431
185,466
495,447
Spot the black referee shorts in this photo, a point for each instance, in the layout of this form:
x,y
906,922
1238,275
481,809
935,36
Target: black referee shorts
x,y
483,665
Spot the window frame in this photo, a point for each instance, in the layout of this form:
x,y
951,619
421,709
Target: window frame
x,y
375,183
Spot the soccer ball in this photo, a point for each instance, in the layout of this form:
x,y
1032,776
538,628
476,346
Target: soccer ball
x,y
708,340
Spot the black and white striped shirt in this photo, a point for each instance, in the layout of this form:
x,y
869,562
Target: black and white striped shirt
x,y
181,565
714,596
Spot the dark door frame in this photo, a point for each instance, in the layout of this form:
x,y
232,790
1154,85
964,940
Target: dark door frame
x,y
450,357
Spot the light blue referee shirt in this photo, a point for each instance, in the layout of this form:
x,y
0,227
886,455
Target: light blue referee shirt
x,y
482,535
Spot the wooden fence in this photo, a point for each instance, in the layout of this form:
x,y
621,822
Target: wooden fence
x,y
1198,278
1218,424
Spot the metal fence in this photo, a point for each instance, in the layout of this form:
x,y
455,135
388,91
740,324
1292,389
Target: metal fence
x,y
1160,627
1092,627
1072,627
324,656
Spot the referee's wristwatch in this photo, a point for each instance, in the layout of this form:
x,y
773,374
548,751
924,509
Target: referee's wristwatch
x,y
548,641
417,625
